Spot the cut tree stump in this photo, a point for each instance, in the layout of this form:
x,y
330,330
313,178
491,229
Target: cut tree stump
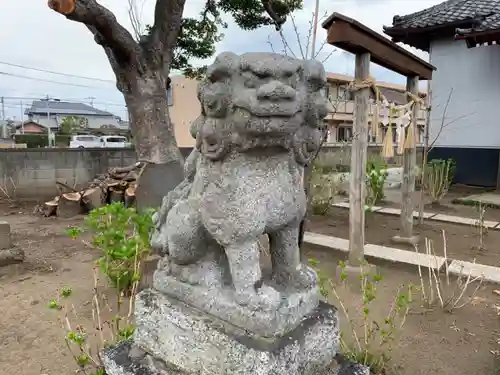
x,y
94,198
116,195
70,205
130,196
50,208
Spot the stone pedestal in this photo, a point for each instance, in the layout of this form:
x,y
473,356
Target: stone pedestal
x,y
413,240
174,338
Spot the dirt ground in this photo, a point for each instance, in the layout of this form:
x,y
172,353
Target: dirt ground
x,y
462,240
31,334
432,341
446,206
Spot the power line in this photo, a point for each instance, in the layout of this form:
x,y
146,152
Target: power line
x,y
74,100
51,81
58,73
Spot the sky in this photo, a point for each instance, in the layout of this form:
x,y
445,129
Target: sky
x,y
34,36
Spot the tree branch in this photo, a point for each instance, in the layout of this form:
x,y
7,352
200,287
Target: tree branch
x,y
91,13
167,24
309,34
279,21
297,34
135,18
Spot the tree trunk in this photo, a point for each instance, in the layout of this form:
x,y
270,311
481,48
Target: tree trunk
x,y
146,99
149,119
141,68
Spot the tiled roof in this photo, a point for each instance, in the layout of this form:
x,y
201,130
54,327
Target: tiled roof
x,y
64,108
486,12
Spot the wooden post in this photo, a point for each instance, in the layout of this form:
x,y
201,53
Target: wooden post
x,y
409,165
357,188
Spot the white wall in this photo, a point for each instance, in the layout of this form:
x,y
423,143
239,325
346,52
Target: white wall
x,y
473,115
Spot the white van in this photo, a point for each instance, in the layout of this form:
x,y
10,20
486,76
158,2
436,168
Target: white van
x,y
84,141
114,141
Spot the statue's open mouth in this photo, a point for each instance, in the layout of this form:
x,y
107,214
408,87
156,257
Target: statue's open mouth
x,y
269,108
268,122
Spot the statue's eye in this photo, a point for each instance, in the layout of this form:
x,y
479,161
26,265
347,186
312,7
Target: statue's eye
x,y
316,84
250,80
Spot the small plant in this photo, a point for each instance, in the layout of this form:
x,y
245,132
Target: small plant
x,y
323,280
438,177
85,345
376,174
450,297
122,234
323,190
373,348
482,229
9,194
371,345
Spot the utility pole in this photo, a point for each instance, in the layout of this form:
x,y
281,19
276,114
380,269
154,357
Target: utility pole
x,y
22,118
315,30
3,109
91,99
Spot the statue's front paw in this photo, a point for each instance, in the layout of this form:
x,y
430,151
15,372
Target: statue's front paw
x,y
306,277
302,278
158,243
264,297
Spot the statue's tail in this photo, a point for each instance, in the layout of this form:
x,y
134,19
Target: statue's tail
x,y
182,191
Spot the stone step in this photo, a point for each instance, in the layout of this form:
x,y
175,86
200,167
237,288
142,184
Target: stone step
x,y
404,256
430,216
376,251
460,267
336,243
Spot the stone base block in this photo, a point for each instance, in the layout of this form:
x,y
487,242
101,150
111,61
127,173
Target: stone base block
x,y
180,339
413,240
219,302
128,359
5,239
10,256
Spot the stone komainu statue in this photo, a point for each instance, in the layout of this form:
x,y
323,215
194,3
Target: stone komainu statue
x,y
260,124
211,311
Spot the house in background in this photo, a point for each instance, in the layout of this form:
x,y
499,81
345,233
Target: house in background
x,y
184,108
462,40
340,121
30,127
51,112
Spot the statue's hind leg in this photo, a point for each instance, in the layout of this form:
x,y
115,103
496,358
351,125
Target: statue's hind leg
x,y
285,256
243,259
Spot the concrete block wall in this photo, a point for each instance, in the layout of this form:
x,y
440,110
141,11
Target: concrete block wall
x,y
32,173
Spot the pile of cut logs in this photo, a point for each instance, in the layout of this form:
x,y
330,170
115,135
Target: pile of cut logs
x,y
118,185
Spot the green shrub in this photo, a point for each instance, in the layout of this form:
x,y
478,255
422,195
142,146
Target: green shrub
x,y
376,174
323,190
439,174
41,140
371,341
122,234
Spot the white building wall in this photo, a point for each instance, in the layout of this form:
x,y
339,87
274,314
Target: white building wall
x,y
472,117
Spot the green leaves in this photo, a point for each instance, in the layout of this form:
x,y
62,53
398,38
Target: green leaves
x,y
198,36
73,232
376,174
123,236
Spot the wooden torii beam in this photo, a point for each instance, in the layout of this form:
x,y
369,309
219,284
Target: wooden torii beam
x,y
352,36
